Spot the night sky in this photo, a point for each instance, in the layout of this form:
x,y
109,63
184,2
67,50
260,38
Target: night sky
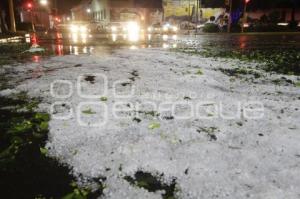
x,y
64,6
255,4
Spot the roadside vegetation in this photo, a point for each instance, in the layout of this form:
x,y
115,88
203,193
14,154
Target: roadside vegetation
x,y
26,171
12,53
281,61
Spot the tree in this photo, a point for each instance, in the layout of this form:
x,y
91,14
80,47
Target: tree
x,y
3,25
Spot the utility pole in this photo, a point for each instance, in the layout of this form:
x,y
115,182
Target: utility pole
x,y
200,6
245,14
12,16
229,17
190,10
244,17
197,12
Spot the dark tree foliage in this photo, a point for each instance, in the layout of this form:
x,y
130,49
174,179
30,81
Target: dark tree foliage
x,y
254,4
148,3
213,3
258,4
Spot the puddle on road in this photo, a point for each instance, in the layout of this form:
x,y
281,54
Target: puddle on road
x,y
97,45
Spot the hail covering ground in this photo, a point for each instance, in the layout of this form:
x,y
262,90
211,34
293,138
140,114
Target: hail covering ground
x,y
246,158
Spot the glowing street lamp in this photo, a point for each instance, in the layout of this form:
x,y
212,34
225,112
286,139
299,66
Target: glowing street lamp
x,y
44,2
29,6
88,10
245,17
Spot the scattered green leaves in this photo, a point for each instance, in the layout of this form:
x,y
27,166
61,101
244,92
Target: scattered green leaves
x,y
210,131
152,184
43,151
154,125
239,71
284,61
199,72
23,133
138,120
103,99
88,112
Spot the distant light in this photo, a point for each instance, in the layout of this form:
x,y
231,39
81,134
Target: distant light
x,y
283,24
166,27
133,47
114,37
44,2
246,25
29,5
165,45
74,28
27,38
83,29
68,18
57,19
114,29
133,31
165,37
88,10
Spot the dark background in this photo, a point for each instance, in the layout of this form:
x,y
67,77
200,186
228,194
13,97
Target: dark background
x,y
64,6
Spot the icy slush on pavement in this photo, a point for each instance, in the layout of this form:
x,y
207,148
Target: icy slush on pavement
x,y
175,118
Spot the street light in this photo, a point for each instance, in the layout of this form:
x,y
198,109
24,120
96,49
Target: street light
x,y
44,2
245,17
88,10
29,7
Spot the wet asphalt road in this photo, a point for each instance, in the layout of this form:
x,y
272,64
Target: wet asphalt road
x,y
64,46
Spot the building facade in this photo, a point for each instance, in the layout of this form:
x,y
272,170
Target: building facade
x,y
187,10
107,11
39,16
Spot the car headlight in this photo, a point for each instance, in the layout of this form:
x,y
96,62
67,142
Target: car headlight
x,y
114,29
133,31
175,29
83,29
165,37
74,28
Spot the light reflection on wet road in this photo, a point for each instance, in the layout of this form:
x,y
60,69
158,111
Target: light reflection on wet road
x,y
92,44
76,45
